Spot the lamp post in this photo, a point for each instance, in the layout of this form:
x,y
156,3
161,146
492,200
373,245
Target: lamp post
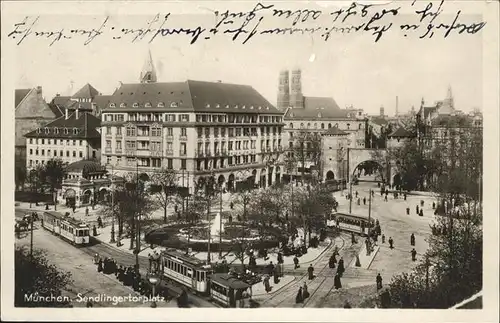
x,y
220,222
112,240
153,276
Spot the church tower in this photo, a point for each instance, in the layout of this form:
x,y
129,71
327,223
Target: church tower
x,y
148,73
449,99
284,91
296,97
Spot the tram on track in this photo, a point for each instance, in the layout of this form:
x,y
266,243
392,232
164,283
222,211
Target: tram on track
x,y
67,228
227,290
351,222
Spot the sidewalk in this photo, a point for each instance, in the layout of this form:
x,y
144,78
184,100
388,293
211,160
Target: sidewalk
x,y
260,290
364,259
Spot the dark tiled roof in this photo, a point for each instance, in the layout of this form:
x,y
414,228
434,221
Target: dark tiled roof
x,y
102,101
229,281
86,92
450,121
20,94
193,95
58,111
401,132
88,166
86,126
334,131
379,121
317,108
61,101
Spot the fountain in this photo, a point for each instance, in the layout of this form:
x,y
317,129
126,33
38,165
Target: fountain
x,y
217,228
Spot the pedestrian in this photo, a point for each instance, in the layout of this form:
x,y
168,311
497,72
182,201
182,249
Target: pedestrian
x,y
407,211
383,238
276,275
340,268
422,203
231,205
356,194
332,261
385,198
373,193
433,205
99,266
305,292
417,209
99,222
299,298
386,191
296,262
310,271
89,304
94,230
405,196
413,254
421,212
379,281
336,281
391,243
359,201
353,238
412,239
86,211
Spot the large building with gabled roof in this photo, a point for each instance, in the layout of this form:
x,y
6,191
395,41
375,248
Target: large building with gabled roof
x,y
71,137
196,128
87,99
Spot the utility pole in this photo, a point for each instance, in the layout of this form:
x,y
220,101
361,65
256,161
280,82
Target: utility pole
x,y
220,224
31,238
138,240
112,240
350,195
369,211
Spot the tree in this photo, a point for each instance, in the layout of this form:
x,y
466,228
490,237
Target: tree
x,y
20,173
53,173
196,208
35,183
34,275
164,187
132,204
306,148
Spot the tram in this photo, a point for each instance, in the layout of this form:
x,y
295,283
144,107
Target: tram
x,y
227,290
351,222
67,228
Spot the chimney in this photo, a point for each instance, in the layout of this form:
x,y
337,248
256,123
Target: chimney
x,y
39,90
77,112
397,106
381,111
66,114
57,94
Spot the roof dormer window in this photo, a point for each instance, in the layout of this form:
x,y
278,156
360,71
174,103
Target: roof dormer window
x,y
147,105
236,106
75,131
260,107
267,108
56,130
207,106
243,107
251,107
112,105
227,106
217,106
161,105
123,105
135,105
173,105
46,130
66,131
39,130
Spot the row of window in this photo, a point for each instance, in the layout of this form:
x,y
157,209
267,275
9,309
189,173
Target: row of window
x,y
360,125
237,132
147,105
217,163
140,117
147,162
145,131
36,161
49,152
237,118
183,270
56,142
57,131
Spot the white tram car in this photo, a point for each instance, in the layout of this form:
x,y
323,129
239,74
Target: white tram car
x,y
351,222
69,229
198,277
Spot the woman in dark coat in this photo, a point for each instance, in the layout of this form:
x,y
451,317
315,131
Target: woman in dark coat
x,y
341,269
299,298
305,292
337,282
332,261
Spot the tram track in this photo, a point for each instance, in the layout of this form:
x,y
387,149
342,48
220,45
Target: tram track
x,y
292,289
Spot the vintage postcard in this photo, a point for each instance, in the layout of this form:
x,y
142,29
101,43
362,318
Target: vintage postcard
x,y
265,161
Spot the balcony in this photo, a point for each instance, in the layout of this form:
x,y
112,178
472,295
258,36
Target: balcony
x,y
130,152
169,152
182,153
143,153
143,137
107,150
118,151
181,137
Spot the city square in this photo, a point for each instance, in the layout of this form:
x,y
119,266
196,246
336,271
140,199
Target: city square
x,y
192,183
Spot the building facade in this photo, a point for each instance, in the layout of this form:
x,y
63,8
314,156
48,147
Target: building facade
x,y
72,137
315,116
87,99
31,112
197,129
334,146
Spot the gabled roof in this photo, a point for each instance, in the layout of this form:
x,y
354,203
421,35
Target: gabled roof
x,y
61,101
317,108
86,125
88,166
87,92
380,121
428,110
334,131
401,132
20,94
58,111
191,95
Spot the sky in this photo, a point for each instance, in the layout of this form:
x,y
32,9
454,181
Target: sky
x,y
351,68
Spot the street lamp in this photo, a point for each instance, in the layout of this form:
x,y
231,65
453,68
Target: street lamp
x,y
153,277
112,240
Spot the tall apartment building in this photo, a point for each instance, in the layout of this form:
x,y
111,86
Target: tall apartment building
x,y
72,137
198,129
